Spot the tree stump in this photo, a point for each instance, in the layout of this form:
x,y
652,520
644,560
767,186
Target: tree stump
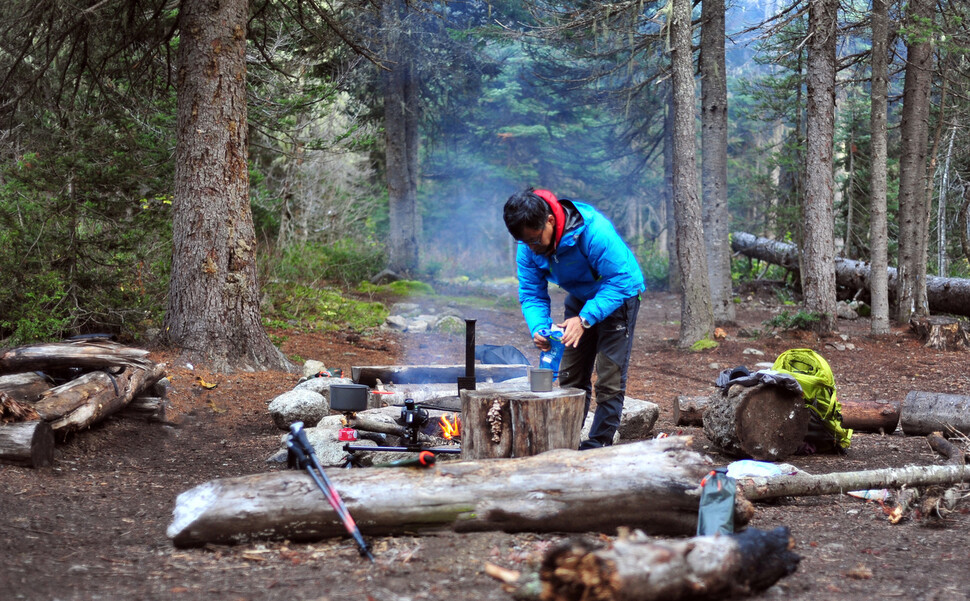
x,y
498,423
30,444
927,412
940,332
764,422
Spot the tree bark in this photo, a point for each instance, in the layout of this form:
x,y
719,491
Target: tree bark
x,y
714,141
954,454
557,491
945,295
818,266
24,386
54,356
764,421
878,226
696,313
940,332
432,374
29,444
401,114
669,237
93,396
923,413
703,567
914,129
870,416
213,309
689,410
520,424
802,485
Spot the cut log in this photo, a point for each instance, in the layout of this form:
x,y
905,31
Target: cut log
x,y
149,408
871,416
519,424
925,412
433,374
559,491
25,387
703,567
944,295
764,422
81,354
30,444
803,485
371,424
689,410
940,332
861,416
93,396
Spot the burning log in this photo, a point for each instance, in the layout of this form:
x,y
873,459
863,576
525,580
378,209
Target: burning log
x,y
557,491
923,413
24,387
520,424
433,374
703,567
861,416
78,354
940,333
765,421
91,397
29,444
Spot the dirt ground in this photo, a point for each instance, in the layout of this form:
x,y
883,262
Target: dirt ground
x,y
93,525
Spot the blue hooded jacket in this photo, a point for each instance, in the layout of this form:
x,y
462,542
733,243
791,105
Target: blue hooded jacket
x,y
591,262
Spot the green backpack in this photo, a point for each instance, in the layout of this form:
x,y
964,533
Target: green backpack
x,y
818,388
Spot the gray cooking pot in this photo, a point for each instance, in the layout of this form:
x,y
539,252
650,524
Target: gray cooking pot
x,y
348,397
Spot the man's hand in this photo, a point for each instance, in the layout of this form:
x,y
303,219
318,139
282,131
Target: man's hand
x,y
541,342
572,331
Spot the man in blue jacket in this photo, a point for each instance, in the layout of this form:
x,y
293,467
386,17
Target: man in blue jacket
x,y
571,244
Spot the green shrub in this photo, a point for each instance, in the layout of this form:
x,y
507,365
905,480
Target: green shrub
x,y
316,309
802,320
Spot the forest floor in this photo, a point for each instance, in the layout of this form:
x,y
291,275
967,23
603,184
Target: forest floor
x,y
93,525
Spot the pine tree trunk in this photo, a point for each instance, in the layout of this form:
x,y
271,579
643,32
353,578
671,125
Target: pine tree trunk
x,y
914,129
696,314
818,250
878,226
714,139
213,310
669,236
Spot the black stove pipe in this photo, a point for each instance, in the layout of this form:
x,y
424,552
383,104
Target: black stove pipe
x,y
468,381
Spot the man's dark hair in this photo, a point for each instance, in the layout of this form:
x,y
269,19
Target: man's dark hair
x,y
525,210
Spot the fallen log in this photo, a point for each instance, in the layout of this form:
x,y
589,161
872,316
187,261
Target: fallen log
x,y
371,424
24,387
80,355
862,416
433,374
954,455
93,396
557,491
765,422
148,408
944,295
703,567
29,444
519,424
803,485
923,413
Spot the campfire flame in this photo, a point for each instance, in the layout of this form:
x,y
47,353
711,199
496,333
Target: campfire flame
x,y
450,428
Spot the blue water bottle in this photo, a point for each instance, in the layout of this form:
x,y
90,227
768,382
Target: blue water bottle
x,y
550,359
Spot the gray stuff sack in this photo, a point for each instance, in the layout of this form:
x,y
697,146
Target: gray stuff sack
x,y
716,514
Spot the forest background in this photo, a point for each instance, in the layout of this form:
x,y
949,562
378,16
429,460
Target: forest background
x,y
389,134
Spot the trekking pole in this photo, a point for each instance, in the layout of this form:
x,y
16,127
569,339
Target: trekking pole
x,y
306,456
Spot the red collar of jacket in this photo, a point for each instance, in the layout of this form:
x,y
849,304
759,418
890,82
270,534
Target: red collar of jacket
x,y
557,211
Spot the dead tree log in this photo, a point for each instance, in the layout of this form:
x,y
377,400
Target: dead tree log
x,y
558,491
765,421
689,410
433,374
703,567
30,444
940,332
25,387
925,412
93,396
802,485
945,295
148,408
520,424
80,354
954,454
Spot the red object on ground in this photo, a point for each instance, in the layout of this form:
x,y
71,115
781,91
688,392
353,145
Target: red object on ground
x,y
347,435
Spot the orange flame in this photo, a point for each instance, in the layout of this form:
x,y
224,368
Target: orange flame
x,y
450,428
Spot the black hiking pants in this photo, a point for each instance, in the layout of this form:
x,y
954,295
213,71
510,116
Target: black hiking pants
x,y
605,346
